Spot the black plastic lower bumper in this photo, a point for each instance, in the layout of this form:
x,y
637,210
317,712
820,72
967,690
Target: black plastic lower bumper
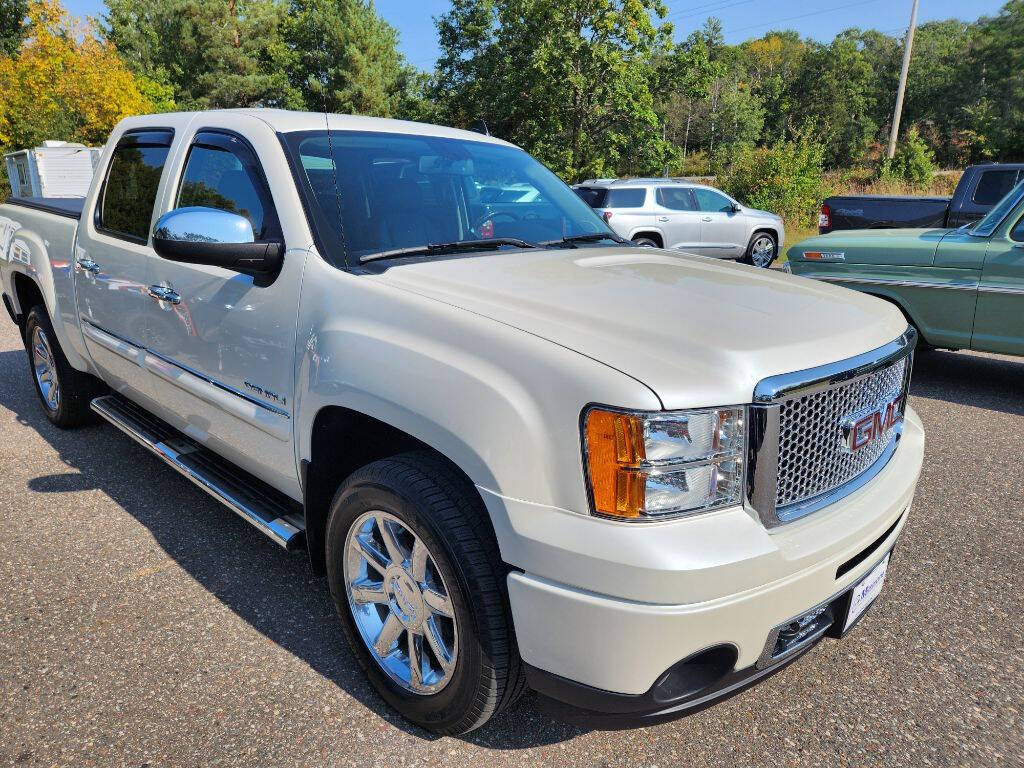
x,y
590,707
688,686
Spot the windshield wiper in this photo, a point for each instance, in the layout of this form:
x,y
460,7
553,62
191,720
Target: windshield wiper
x,y
457,245
589,237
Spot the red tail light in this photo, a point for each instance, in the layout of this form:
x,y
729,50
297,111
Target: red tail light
x,y
825,220
607,215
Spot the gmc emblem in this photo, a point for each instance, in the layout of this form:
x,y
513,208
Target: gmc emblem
x,y
861,429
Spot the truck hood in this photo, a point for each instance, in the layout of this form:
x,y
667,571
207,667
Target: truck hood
x,y
697,331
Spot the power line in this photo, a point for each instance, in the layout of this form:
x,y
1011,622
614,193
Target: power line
x,y
799,16
706,9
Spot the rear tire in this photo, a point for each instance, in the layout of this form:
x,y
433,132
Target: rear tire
x,y
420,504
646,242
762,250
64,393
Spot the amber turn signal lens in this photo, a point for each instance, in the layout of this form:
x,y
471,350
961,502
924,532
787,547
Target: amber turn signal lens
x,y
615,448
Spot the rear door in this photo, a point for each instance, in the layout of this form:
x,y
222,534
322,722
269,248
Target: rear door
x,y
999,322
223,354
723,231
678,217
112,258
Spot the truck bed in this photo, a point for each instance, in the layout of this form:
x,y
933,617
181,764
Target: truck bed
x,y
62,206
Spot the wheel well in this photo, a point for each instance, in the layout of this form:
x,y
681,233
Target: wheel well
x,y
343,440
767,231
27,292
909,318
655,236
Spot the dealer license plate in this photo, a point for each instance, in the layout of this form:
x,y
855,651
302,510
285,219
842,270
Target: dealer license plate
x,y
865,592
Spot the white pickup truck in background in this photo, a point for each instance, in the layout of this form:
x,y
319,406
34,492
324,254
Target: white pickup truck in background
x,y
523,451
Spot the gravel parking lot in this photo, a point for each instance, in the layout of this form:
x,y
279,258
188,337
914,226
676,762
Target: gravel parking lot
x,y
143,624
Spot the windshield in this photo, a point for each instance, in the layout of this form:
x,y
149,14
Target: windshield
x,y
382,193
988,225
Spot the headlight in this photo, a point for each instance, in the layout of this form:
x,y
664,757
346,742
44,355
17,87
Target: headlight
x,y
657,465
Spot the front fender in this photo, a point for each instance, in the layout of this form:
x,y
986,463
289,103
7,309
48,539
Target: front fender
x,y
502,404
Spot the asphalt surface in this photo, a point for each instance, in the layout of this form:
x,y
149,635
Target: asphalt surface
x,y
142,624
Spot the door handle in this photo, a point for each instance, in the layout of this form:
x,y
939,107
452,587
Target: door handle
x,y
87,265
163,293
706,218
663,218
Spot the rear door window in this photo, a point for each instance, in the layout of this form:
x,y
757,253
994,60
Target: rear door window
x,y
628,197
676,198
222,172
133,178
993,186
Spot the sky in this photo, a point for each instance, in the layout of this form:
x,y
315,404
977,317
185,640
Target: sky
x,y
741,19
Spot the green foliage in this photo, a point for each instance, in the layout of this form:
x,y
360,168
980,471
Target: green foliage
x,y
12,25
212,53
571,81
786,178
345,57
913,162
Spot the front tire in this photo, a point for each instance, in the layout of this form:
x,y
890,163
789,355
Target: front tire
x,y
762,250
419,585
64,393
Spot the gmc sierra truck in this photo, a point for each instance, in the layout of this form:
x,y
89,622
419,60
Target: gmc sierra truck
x,y
979,189
522,451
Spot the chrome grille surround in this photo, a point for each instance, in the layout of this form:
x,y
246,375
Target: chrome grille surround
x,y
796,463
812,458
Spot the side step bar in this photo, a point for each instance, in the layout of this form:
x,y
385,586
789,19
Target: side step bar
x,y
278,516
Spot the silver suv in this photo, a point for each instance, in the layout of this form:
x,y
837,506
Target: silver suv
x,y
679,215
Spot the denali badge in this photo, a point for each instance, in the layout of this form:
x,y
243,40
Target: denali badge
x,y
864,427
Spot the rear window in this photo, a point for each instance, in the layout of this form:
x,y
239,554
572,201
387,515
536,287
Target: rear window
x,y
630,197
993,186
129,191
676,198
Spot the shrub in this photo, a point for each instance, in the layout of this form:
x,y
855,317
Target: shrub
x,y
913,161
786,178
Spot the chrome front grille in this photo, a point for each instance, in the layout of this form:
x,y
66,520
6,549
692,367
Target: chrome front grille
x,y
812,457
813,436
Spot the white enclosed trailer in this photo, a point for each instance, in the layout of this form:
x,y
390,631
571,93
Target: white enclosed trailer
x,y
56,169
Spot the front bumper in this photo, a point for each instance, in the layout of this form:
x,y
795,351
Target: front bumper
x,y
587,633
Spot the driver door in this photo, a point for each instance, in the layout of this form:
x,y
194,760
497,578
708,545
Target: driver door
x,y
723,230
999,320
222,346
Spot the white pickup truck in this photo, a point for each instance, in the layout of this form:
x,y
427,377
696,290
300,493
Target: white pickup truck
x,y
522,451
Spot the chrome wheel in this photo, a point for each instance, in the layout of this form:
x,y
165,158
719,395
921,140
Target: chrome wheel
x,y
762,252
400,603
45,369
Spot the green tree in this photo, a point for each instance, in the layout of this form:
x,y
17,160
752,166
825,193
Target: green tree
x,y
993,73
346,59
12,25
571,81
212,53
913,162
833,91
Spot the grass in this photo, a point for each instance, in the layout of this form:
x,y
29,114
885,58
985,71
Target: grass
x,y
794,234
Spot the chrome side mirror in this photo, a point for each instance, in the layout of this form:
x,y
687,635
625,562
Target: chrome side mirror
x,y
200,235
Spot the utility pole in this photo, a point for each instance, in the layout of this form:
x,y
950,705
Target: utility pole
x,y
908,43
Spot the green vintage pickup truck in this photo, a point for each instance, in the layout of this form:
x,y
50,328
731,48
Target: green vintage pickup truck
x,y
961,288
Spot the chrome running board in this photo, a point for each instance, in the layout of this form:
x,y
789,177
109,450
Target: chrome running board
x,y
273,513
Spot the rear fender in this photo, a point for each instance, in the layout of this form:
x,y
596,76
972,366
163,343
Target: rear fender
x,y
25,252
